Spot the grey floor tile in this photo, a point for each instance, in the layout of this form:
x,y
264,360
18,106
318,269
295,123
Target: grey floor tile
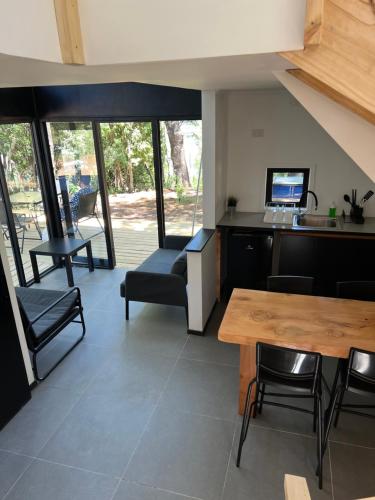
x,y
354,429
79,368
133,375
203,388
274,417
184,453
46,481
352,472
266,457
104,328
159,336
133,491
100,433
208,347
31,428
11,467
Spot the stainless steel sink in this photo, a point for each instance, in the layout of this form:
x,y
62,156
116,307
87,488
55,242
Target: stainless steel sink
x,y
309,220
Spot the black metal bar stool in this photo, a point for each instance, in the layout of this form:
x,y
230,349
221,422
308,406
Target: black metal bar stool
x,y
300,372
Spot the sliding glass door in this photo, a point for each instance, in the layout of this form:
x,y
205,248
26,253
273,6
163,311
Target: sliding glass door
x,y
129,170
22,213
78,185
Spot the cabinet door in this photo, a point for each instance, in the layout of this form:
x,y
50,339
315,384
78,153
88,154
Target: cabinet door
x,y
242,260
14,387
298,255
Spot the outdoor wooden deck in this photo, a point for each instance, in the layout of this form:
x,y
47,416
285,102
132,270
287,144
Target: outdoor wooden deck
x,y
134,241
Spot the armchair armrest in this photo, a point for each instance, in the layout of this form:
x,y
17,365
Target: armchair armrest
x,y
176,242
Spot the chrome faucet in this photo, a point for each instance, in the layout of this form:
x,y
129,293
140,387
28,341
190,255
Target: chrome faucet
x,y
304,196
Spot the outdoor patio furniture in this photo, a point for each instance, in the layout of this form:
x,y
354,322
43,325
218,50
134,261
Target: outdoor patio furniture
x,y
64,248
160,279
27,206
45,313
86,210
19,227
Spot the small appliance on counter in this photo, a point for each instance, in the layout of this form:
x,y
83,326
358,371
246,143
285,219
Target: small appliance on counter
x,y
278,215
356,211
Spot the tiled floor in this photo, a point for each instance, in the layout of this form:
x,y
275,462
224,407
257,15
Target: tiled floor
x,y
141,411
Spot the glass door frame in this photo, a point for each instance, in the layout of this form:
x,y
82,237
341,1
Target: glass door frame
x,y
38,157
110,262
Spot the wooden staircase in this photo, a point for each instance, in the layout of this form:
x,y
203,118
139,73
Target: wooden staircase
x,y
338,59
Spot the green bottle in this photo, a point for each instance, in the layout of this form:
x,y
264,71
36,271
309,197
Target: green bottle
x,y
332,210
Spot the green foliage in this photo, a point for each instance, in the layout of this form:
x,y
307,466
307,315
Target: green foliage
x,y
17,155
128,156
127,148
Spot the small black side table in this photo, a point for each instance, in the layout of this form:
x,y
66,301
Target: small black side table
x,y
61,247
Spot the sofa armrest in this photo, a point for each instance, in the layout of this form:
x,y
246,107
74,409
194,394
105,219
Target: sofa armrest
x,y
176,242
169,289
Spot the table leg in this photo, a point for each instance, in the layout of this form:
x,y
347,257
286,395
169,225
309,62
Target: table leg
x,y
34,265
247,373
69,270
89,257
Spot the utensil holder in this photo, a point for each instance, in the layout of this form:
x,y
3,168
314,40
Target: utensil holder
x,y
356,215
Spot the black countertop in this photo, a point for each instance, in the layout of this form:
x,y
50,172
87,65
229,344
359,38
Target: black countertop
x,y
254,220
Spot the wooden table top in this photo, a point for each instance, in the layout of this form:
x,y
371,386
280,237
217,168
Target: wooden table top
x,y
321,324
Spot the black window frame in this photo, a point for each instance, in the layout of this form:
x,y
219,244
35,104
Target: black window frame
x,y
269,182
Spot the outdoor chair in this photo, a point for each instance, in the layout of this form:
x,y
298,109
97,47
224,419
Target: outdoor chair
x,y
86,210
19,227
45,313
302,285
299,373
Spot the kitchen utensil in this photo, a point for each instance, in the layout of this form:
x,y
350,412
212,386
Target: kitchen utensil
x,y
366,197
347,199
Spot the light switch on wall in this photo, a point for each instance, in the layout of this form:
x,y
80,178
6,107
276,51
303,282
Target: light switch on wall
x,y
257,132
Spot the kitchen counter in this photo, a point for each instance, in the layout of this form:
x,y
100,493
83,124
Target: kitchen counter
x,y
254,220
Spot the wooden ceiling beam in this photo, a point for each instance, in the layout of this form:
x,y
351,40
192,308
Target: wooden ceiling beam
x,y
69,30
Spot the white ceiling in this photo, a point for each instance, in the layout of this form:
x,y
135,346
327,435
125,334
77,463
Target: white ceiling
x,y
231,72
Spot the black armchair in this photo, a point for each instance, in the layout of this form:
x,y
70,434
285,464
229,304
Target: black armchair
x,y
45,313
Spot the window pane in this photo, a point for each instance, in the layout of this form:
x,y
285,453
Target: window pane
x,y
76,177
181,143
28,215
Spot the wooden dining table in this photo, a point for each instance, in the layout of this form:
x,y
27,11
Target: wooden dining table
x,y
326,325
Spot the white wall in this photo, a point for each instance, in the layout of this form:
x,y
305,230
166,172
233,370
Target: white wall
x,y
118,31
201,285
214,156
291,138
28,29
352,132
16,312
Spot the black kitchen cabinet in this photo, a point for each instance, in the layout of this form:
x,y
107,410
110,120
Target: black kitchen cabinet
x,y
249,259
327,259
14,386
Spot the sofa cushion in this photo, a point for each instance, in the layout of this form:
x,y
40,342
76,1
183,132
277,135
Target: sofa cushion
x,y
180,264
36,300
160,261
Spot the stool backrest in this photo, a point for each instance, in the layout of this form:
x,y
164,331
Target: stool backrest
x,y
362,365
290,364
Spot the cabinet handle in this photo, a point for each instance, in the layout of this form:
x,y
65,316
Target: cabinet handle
x,y
249,247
